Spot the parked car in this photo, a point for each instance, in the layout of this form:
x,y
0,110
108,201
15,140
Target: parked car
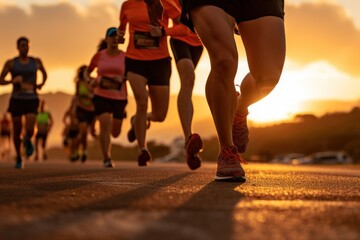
x,y
302,160
326,157
286,158
330,157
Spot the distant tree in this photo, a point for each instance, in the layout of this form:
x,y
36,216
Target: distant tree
x,y
305,117
355,110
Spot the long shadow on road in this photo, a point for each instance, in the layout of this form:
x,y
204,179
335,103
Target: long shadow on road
x,y
208,214
35,229
22,187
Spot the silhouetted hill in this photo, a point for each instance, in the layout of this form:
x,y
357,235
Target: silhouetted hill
x,y
335,131
321,107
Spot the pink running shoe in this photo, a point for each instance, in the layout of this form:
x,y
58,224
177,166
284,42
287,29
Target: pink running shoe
x,y
229,168
193,146
240,132
144,157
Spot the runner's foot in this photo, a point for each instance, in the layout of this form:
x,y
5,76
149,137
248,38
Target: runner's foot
x,y
29,147
108,163
229,168
193,146
19,163
144,157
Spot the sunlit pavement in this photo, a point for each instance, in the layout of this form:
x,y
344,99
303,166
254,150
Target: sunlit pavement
x,y
61,200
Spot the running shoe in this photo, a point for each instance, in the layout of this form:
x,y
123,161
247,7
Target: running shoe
x,y
144,157
229,168
108,163
19,163
193,146
65,142
84,157
131,133
29,147
74,157
240,131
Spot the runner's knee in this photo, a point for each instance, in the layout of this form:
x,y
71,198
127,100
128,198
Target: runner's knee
x,y
225,66
266,83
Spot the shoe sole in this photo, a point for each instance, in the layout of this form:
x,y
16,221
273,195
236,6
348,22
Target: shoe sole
x,y
131,135
143,163
109,165
230,178
193,161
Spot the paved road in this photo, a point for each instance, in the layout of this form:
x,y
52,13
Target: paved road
x,y
60,200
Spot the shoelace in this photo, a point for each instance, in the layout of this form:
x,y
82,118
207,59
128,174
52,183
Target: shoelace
x,y
228,152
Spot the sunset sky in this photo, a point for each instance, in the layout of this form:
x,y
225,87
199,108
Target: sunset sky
x,y
323,48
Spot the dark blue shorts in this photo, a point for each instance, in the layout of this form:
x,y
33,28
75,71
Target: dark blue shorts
x,y
240,10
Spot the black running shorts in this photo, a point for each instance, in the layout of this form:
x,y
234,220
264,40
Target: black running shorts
x,y
84,115
240,10
42,136
157,72
182,50
19,107
112,106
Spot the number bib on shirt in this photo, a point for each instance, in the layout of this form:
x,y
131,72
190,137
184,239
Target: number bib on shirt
x,y
145,41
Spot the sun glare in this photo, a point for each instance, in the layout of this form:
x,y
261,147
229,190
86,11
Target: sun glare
x,y
272,109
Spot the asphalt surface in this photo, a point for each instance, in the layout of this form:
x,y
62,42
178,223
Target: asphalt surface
x,y
62,200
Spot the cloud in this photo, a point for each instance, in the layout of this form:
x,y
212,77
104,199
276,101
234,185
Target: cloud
x,y
64,35
323,32
59,34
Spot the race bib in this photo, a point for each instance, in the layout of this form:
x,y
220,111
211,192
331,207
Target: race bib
x,y
143,40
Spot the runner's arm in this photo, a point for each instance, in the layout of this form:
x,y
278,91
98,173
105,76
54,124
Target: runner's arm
x,y
43,72
6,69
155,11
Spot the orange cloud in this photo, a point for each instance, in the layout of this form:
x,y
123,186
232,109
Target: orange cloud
x,y
323,32
59,34
65,37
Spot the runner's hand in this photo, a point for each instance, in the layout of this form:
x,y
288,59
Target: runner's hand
x,y
120,36
156,31
17,79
